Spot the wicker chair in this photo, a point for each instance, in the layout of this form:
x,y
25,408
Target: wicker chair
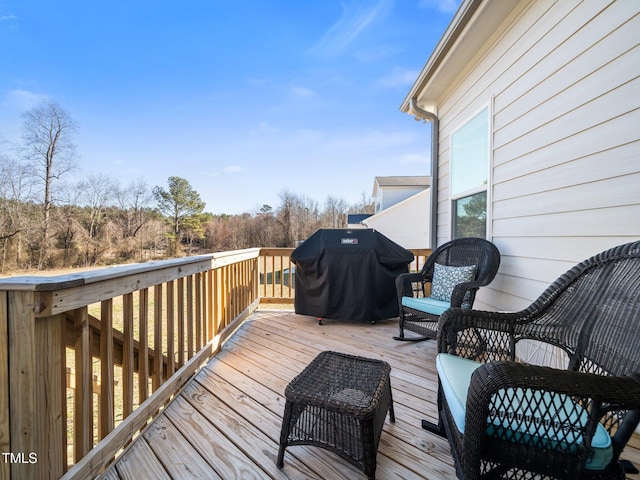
x,y
419,314
565,415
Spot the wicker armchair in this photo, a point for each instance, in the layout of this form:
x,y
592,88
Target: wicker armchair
x,y
419,314
568,412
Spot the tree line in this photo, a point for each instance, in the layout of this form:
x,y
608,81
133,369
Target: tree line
x,y
50,219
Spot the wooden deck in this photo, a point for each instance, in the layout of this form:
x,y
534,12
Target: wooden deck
x,y
225,424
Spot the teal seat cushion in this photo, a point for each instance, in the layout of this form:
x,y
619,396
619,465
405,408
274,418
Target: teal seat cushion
x,y
550,427
455,376
427,305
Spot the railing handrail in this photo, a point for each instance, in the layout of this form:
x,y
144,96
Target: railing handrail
x,y
42,283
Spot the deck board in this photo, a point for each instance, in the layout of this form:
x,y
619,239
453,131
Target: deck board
x,y
139,458
226,422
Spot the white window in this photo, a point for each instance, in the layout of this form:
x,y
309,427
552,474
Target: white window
x,y
469,174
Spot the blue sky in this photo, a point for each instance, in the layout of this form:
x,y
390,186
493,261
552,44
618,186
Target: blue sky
x,y
243,98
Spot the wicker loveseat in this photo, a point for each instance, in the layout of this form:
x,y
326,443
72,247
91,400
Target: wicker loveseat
x,y
420,314
510,417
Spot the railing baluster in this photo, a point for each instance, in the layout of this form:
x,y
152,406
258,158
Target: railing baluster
x,y
216,300
225,301
244,276
83,398
198,308
263,267
209,304
229,300
106,423
127,355
157,337
233,280
143,339
171,355
255,279
273,276
189,319
181,343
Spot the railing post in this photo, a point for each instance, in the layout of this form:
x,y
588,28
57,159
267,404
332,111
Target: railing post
x,y
5,444
36,377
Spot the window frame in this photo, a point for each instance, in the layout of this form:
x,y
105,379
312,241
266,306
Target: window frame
x,y
485,187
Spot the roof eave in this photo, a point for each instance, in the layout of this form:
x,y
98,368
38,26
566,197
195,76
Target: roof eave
x,y
472,25
452,33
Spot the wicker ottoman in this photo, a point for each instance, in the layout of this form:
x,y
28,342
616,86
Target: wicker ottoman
x,y
339,402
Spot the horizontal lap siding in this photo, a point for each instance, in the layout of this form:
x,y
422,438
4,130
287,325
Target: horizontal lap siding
x,y
562,81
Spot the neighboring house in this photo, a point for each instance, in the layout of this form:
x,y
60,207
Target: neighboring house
x,y
402,211
535,113
406,222
387,191
354,220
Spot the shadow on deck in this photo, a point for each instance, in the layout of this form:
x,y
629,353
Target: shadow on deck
x,y
226,422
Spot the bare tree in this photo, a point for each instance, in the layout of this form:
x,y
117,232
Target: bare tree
x,y
96,194
289,200
48,132
15,188
366,204
135,208
67,222
307,218
335,212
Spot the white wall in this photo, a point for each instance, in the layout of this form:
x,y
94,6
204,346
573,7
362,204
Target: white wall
x,y
406,223
562,82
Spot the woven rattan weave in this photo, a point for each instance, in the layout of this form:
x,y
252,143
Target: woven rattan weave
x,y
458,252
339,402
589,318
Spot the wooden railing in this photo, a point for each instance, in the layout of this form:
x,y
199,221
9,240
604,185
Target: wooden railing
x,y
141,331
86,360
277,273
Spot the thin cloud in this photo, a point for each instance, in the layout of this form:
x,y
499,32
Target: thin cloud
x,y
265,128
257,81
398,78
354,20
302,92
376,53
23,99
231,169
5,18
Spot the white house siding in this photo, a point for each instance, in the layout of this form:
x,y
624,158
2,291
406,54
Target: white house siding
x,y
392,195
562,81
406,222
